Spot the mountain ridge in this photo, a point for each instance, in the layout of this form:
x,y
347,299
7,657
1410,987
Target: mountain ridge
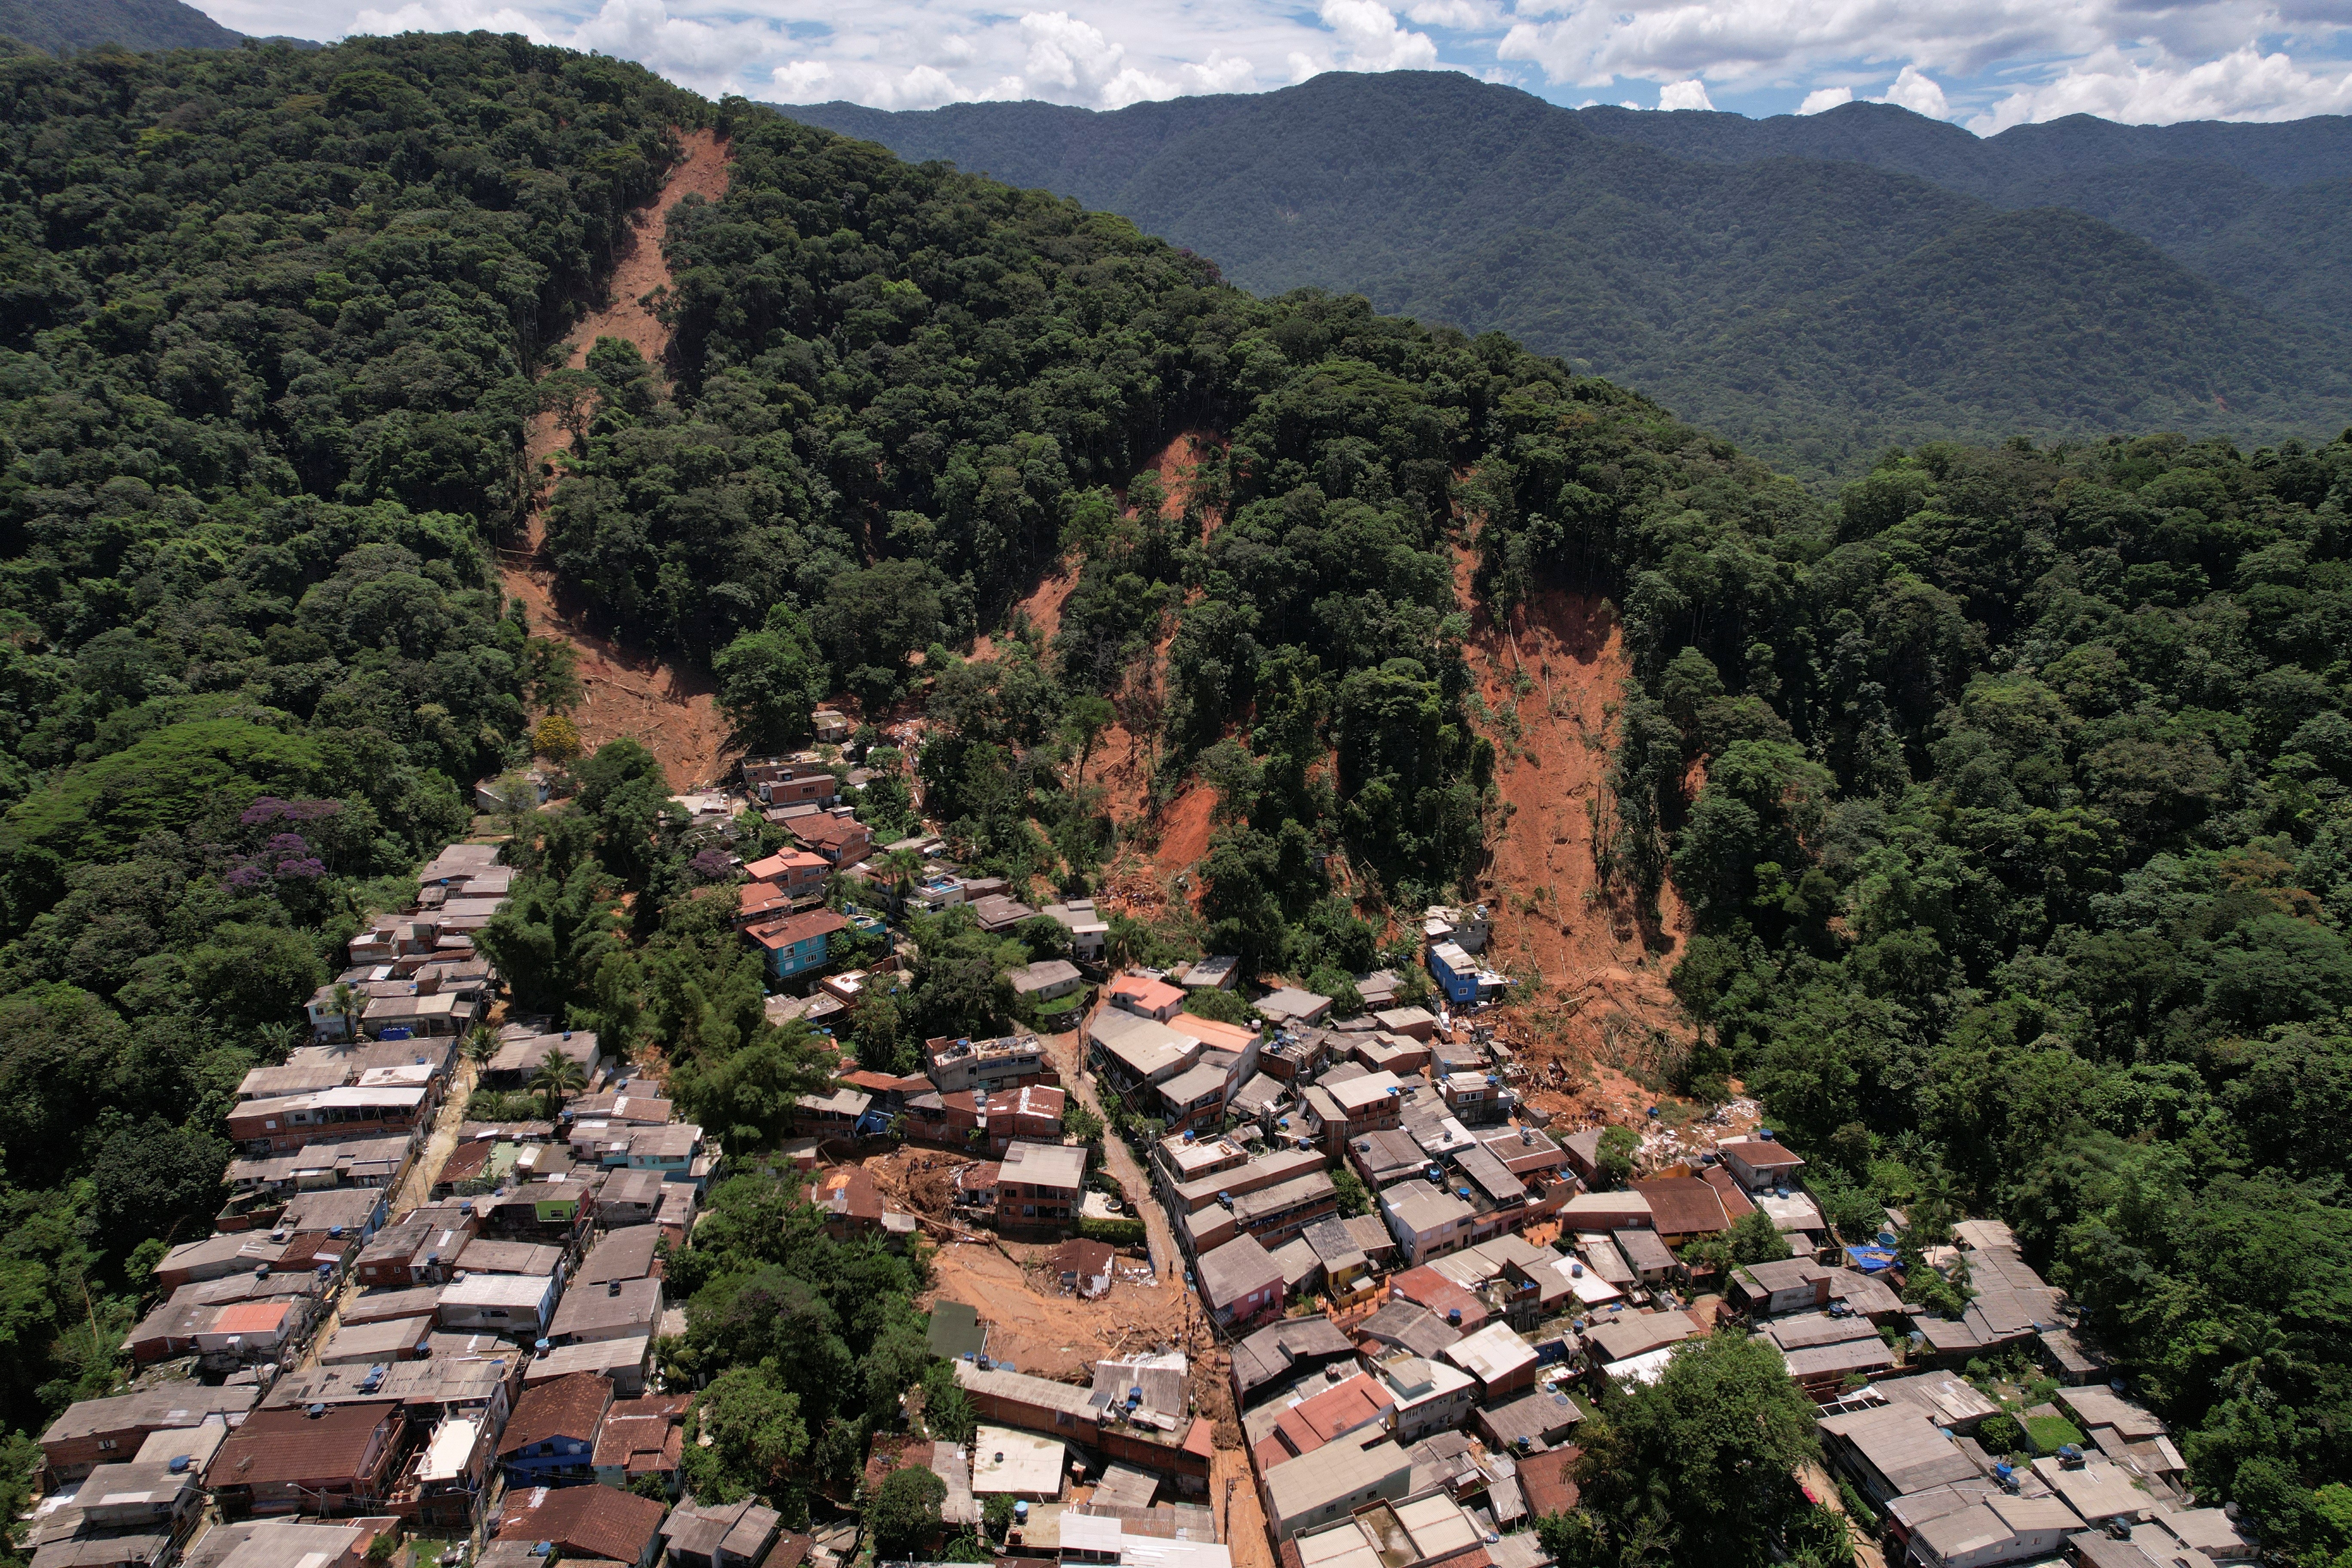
x,y
1485,206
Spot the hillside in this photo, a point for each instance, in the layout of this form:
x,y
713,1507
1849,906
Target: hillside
x,y
1995,818
1643,246
64,26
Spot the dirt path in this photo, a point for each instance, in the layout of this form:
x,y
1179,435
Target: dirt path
x,y
439,1144
1551,680
627,691
1166,1259
1240,1517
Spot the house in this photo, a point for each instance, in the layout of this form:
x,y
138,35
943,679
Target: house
x,y
630,1197
1427,1221
322,1459
1082,1267
92,1432
285,1124
1135,1052
1240,1280
1463,980
775,781
730,1536
370,1345
1894,1449
602,1523
1293,1006
1016,1464
1332,1482
1417,1024
837,1113
1432,1395
640,1437
1785,1284
997,913
1219,973
1089,933
849,1201
515,1304
526,789
1046,982
1146,997
1467,929
841,840
1976,1525
1526,1421
956,1064
551,1436
1761,1162
1502,1362
796,945
829,724
627,1362
1682,1208
1276,1357
1351,1404
621,1309
1040,1184
1342,1108
1032,1112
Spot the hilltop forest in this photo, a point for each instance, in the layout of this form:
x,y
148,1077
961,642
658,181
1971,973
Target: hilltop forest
x,y
1816,289
2009,788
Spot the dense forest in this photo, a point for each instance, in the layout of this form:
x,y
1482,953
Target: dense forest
x,y
1816,289
2009,788
2021,869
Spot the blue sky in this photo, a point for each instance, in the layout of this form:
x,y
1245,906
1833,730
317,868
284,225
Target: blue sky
x,y
1984,64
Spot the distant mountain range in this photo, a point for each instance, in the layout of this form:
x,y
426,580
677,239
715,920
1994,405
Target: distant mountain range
x,y
1817,288
70,27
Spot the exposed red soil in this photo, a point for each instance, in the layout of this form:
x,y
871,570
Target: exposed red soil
x,y
1184,828
1041,608
1592,999
627,691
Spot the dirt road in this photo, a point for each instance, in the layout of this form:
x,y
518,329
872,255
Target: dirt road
x,y
1069,1061
426,1169
627,691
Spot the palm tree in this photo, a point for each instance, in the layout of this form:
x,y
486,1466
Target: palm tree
x,y
558,1076
347,1008
904,866
481,1044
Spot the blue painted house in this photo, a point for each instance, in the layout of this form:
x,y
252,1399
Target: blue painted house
x,y
1456,972
550,1438
797,943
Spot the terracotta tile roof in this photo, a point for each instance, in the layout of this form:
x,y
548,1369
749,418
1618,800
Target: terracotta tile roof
x,y
1682,1205
642,1435
1726,1187
288,1444
585,1521
568,1406
1549,1480
798,928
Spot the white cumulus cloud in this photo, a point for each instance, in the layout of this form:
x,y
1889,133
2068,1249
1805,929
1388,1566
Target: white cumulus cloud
x,y
1373,39
1822,98
1913,89
1691,94
2243,84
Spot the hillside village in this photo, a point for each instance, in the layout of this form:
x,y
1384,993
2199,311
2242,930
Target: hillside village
x,y
1341,1292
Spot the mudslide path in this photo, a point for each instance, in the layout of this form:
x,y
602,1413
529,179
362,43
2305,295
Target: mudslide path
x,y
629,692
1552,676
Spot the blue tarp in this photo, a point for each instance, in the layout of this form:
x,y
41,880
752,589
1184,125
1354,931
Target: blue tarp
x,y
1870,1259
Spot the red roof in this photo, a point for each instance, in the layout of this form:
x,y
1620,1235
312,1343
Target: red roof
x,y
797,928
644,1435
288,1444
1682,1205
1153,994
776,866
586,1521
250,1318
848,1192
567,1406
1548,1480
821,828
1727,1188
1426,1286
